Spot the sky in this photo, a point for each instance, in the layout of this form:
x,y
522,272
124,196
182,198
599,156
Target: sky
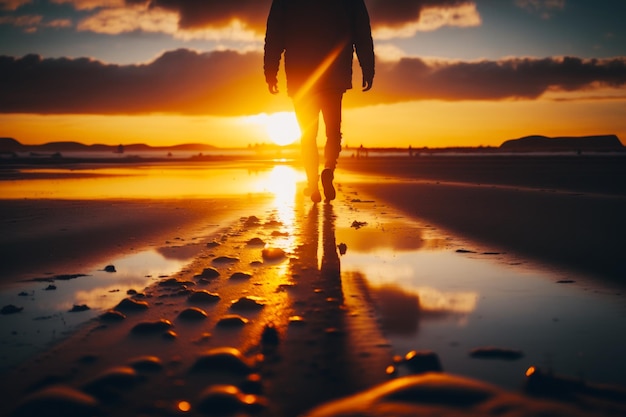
x,y
448,72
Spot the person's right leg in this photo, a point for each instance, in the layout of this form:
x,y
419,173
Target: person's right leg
x,y
307,112
330,103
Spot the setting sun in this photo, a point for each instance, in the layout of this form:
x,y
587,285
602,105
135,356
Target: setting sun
x,y
281,128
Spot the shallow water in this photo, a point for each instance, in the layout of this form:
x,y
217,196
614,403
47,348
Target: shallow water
x,y
430,295
441,294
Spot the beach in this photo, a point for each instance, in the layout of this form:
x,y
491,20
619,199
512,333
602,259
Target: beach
x,y
269,314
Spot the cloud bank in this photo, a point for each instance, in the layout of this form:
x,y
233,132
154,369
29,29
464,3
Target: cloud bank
x,y
231,83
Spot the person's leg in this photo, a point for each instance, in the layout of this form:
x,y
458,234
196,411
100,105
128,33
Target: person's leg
x,y
331,110
307,112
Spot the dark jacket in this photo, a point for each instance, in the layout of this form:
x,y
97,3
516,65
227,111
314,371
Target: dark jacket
x,y
318,38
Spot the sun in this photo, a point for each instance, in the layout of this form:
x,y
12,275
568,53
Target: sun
x,y
282,128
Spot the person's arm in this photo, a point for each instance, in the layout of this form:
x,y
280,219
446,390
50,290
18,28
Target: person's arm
x,y
274,45
363,43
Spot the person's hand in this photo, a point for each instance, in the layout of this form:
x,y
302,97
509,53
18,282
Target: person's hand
x,y
367,83
272,86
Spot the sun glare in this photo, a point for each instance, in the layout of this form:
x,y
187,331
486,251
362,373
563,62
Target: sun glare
x,y
281,128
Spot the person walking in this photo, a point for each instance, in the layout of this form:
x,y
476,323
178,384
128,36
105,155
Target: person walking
x,y
318,39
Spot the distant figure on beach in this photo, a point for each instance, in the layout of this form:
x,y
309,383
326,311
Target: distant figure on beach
x,y
318,38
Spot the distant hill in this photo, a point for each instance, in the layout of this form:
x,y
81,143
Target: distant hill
x,y
564,143
8,145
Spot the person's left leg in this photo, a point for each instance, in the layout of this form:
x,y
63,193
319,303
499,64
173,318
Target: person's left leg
x,y
307,112
331,111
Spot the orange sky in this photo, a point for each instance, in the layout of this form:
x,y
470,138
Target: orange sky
x,y
425,123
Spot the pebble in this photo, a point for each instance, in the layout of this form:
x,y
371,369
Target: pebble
x,y
11,309
152,327
225,359
208,273
213,244
78,308
112,382
491,352
110,268
203,297
225,260
128,304
240,276
248,303
273,254
256,241
50,288
192,313
422,361
175,283
146,364
228,400
232,320
58,401
112,316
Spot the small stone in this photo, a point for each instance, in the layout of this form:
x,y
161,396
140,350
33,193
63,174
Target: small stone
x,y
111,382
248,303
175,283
79,308
273,254
343,248
491,352
252,221
23,294
170,335
228,400
240,276
256,241
422,361
357,224
146,364
208,273
110,268
50,287
225,260
152,327
112,316
203,297
232,320
213,244
224,359
11,309
296,321
131,292
128,304
57,400
192,313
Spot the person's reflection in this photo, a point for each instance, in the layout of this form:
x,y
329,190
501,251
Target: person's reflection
x,y
330,269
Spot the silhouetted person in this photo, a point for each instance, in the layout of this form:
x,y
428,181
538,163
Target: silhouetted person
x,y
318,38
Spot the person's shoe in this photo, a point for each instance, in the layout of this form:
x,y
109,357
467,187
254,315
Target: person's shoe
x,y
316,197
327,184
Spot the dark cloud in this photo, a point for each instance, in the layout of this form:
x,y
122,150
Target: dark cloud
x,y
230,83
180,81
414,79
196,14
399,12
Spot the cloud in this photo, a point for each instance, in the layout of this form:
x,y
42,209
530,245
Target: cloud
x,y
430,19
13,4
544,8
92,4
231,83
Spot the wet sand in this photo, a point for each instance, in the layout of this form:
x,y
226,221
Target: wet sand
x,y
567,211
312,334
